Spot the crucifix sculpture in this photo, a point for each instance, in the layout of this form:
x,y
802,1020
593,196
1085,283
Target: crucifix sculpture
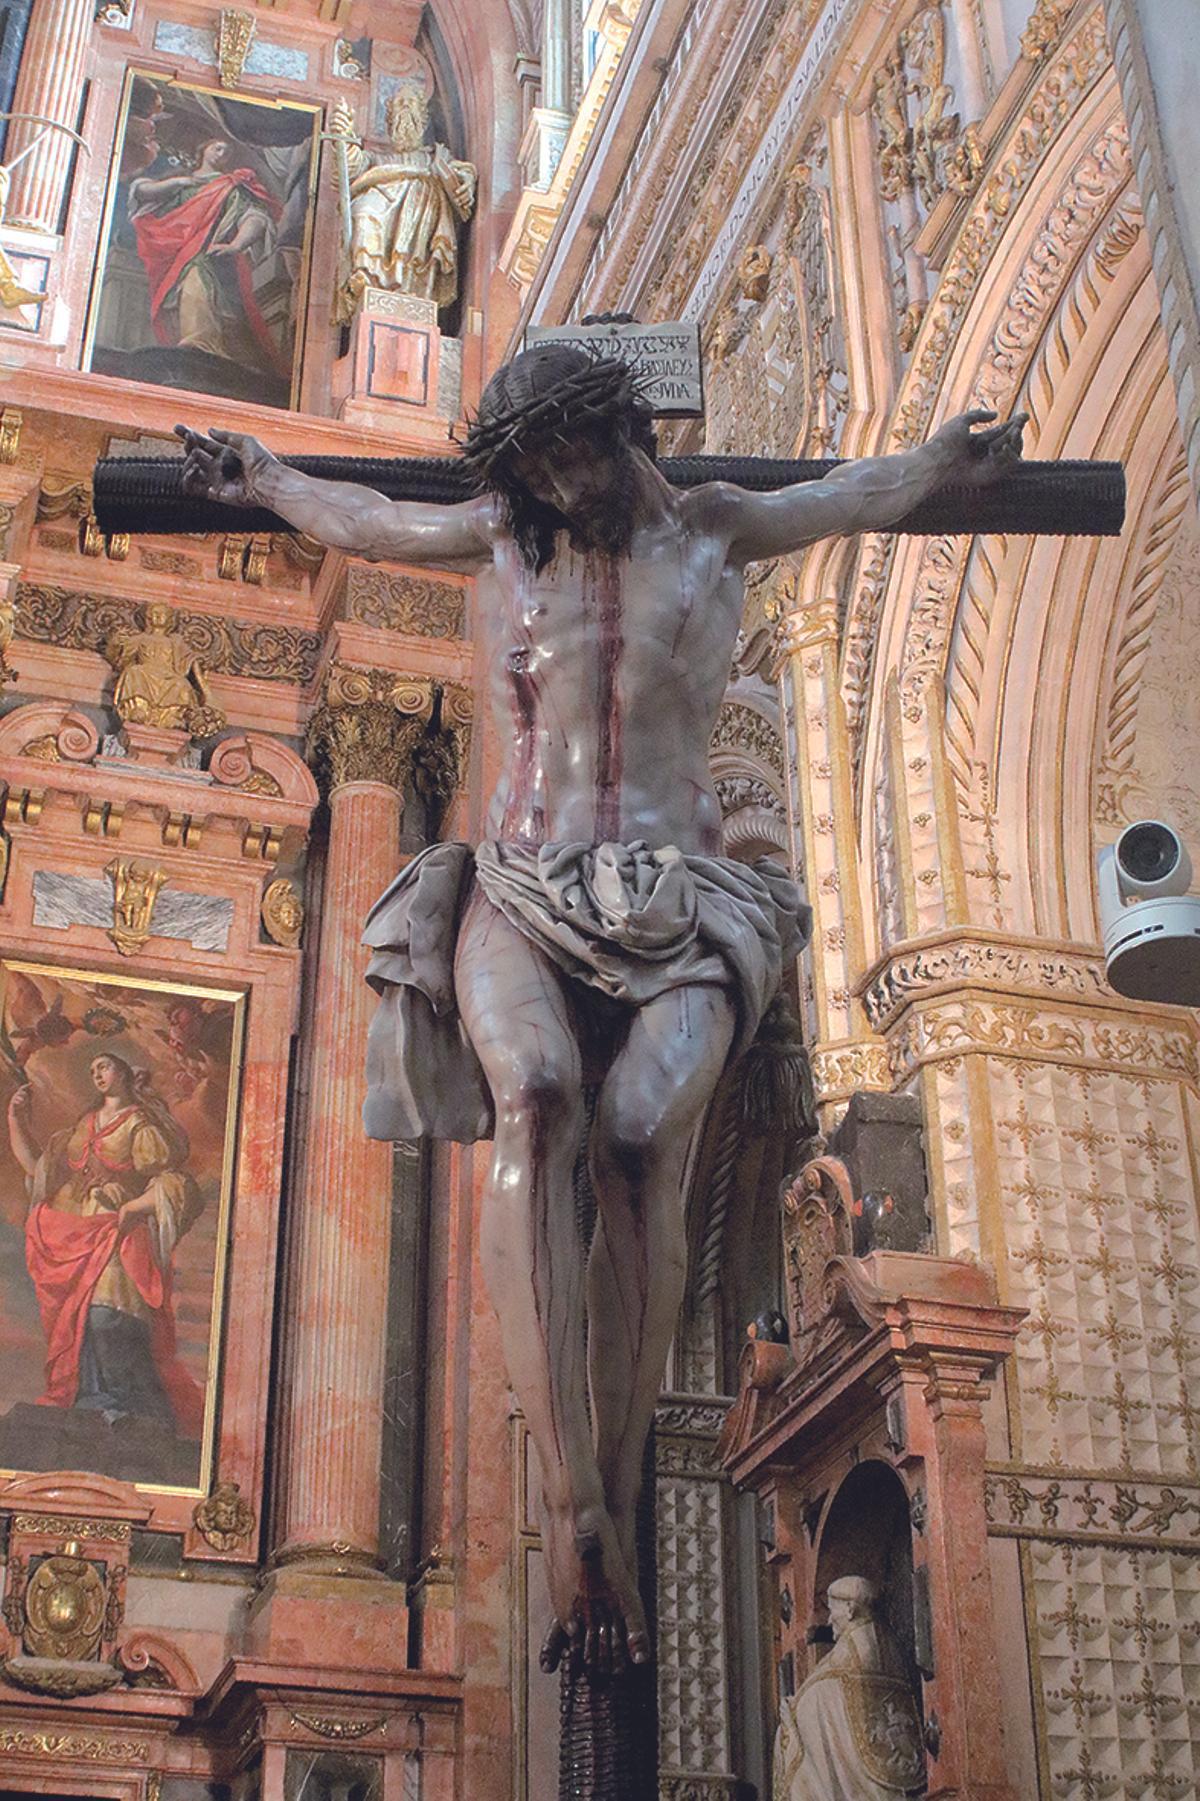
x,y
596,940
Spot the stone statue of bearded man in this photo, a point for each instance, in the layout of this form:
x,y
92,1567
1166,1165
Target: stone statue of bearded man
x,y
405,207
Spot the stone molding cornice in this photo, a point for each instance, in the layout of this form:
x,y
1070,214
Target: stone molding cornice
x,y
978,1024
946,996
920,969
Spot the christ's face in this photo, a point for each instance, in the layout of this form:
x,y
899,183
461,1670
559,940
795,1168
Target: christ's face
x,y
579,479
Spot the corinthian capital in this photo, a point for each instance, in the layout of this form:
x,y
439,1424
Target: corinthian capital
x,y
367,725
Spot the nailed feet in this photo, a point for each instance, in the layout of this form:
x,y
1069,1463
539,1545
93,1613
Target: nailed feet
x,y
605,1624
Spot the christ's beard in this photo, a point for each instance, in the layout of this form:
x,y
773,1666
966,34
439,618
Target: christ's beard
x,y
608,525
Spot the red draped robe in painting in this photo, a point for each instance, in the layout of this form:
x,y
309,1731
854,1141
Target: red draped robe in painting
x,y
170,242
76,1255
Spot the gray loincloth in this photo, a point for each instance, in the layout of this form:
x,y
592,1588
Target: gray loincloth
x,y
628,920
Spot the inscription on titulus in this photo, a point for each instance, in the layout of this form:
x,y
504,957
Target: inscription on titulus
x,y
666,356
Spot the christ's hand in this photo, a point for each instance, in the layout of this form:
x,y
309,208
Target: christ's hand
x,y
981,457
225,466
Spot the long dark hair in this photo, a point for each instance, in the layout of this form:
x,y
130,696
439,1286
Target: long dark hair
x,y
558,391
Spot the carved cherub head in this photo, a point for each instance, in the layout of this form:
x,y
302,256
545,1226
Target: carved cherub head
x,y
408,116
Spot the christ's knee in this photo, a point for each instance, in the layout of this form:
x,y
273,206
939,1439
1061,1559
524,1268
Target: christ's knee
x,y
539,1106
635,1143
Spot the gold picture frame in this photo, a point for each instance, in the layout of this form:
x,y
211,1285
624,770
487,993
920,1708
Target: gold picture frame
x,y
116,1208
202,272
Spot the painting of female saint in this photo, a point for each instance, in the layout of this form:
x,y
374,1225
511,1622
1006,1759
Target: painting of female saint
x,y
203,260
114,1202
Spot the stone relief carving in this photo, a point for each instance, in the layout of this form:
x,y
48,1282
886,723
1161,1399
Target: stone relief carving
x,y
1117,762
809,243
1055,100
404,603
1150,767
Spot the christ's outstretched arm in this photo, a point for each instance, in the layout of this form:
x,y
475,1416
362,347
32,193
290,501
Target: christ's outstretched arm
x,y
241,472
871,493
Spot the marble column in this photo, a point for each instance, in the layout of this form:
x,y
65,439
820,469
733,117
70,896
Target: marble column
x,y
337,1301
1154,45
50,83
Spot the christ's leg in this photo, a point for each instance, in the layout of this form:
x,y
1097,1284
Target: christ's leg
x,y
513,1006
656,1090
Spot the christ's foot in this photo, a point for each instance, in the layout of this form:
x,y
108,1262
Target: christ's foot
x,y
606,1630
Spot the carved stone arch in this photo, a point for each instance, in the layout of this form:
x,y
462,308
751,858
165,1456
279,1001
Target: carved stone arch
x,y
903,600
1155,534
1033,358
1063,320
1045,729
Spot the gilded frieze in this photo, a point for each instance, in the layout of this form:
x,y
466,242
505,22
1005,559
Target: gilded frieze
x,y
75,620
397,602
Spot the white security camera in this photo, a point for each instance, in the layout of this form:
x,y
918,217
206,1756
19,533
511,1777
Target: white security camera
x,y
1151,923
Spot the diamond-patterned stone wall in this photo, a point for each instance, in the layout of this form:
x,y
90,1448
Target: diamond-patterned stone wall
x,y
1100,1217
1118,1649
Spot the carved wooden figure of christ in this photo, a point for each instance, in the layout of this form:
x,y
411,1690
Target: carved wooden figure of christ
x,y
597,937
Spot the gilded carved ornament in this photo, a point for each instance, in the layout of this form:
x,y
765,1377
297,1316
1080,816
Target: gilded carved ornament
x,y
283,913
1045,27
234,38
394,601
11,421
340,1731
75,620
372,724
8,626
75,1747
225,1520
59,1616
65,1604
160,680
136,888
53,1525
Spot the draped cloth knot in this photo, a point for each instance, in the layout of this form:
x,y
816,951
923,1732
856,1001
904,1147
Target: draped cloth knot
x,y
628,920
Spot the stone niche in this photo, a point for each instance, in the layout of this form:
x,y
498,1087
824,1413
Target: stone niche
x,y
863,1439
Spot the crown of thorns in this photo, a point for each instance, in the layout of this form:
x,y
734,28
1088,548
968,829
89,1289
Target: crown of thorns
x,y
606,390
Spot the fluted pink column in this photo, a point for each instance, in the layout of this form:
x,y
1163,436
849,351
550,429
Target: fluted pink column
x,y
335,1312
50,82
